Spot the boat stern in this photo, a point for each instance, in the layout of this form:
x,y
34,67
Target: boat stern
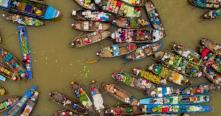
x,y
51,13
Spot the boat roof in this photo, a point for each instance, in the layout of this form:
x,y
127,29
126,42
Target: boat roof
x,y
4,3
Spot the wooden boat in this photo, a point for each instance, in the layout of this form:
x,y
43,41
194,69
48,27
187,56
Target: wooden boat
x,y
212,14
22,20
19,106
81,95
132,23
119,8
209,57
64,112
136,35
168,74
188,54
119,94
132,81
72,105
97,97
87,4
124,110
30,104
179,64
212,76
144,51
30,8
117,50
92,15
176,109
199,89
25,50
10,60
213,46
154,16
209,4
216,67
90,38
6,72
2,91
149,76
8,102
90,26
176,99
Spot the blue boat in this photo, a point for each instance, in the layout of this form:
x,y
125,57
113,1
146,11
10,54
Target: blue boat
x,y
176,109
21,103
176,99
25,50
30,8
210,4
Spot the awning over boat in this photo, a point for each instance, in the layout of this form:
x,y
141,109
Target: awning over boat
x,y
4,3
51,13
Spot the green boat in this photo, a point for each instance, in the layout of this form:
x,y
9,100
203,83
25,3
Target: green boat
x,y
119,8
212,14
132,81
23,20
179,64
81,94
168,74
149,76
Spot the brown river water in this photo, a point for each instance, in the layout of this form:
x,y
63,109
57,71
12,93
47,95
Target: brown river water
x,y
55,64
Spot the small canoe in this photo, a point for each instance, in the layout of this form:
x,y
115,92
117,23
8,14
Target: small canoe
x,y
179,64
132,23
81,95
136,35
119,8
176,99
212,14
154,16
8,102
170,75
25,50
64,112
2,91
212,76
125,110
90,26
31,9
30,104
88,15
19,106
22,20
176,109
213,46
87,4
10,60
117,50
72,105
134,2
119,94
208,4
97,97
144,51
132,81
89,38
5,71
149,76
186,53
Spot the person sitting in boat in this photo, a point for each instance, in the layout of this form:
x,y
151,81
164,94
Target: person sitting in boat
x,y
16,4
87,40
